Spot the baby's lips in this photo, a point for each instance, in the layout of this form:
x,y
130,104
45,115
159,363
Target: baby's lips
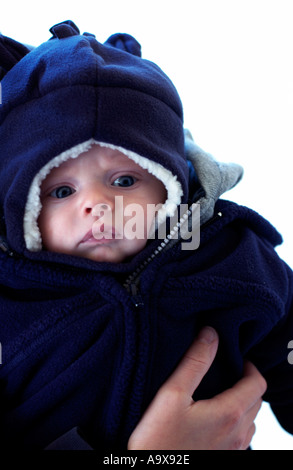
x,y
87,236
102,231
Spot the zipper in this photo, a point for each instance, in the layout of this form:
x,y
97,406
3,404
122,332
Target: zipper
x,y
136,297
4,247
213,219
132,282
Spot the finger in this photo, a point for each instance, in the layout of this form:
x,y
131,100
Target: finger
x,y
248,424
249,436
252,384
253,411
252,374
195,363
248,418
245,393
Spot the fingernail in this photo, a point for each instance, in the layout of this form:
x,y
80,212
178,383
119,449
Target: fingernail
x,y
208,334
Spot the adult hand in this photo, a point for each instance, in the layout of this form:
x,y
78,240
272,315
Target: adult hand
x,y
174,421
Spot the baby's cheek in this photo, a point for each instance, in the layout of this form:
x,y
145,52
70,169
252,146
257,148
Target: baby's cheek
x,y
134,247
49,230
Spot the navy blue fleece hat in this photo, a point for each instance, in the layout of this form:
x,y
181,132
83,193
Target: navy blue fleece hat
x,y
70,93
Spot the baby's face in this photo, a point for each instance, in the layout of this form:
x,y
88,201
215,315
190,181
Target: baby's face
x,y
79,215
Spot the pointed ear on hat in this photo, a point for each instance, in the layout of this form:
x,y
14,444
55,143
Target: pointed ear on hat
x,y
125,42
64,29
11,52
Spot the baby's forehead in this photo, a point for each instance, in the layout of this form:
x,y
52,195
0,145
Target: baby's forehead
x,y
96,158
97,154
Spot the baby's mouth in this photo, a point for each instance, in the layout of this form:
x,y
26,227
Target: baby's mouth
x,y
103,235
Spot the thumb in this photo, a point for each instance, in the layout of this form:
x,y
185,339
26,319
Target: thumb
x,y
195,363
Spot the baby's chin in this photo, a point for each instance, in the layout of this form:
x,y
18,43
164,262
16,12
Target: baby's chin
x,y
114,252
105,258
111,251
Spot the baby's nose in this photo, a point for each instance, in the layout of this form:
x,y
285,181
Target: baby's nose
x,y
97,208
97,199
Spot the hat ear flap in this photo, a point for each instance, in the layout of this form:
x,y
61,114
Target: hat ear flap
x,y
11,52
125,42
64,29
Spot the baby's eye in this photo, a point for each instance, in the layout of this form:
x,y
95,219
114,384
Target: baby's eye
x,y
124,181
62,192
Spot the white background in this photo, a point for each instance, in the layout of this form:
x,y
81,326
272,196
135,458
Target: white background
x,y
231,61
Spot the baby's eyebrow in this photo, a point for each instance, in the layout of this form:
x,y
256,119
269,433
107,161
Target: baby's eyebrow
x,y
50,183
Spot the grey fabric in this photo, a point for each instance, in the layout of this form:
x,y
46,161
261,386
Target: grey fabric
x,y
215,178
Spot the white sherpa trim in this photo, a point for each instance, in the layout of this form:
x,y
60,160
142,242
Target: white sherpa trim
x,y
33,207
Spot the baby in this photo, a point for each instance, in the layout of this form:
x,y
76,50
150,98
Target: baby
x,y
97,306
86,188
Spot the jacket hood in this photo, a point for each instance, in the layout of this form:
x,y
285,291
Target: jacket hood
x,y
70,92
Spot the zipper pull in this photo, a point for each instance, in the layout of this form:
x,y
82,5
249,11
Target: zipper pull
x,y
136,296
4,247
213,219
